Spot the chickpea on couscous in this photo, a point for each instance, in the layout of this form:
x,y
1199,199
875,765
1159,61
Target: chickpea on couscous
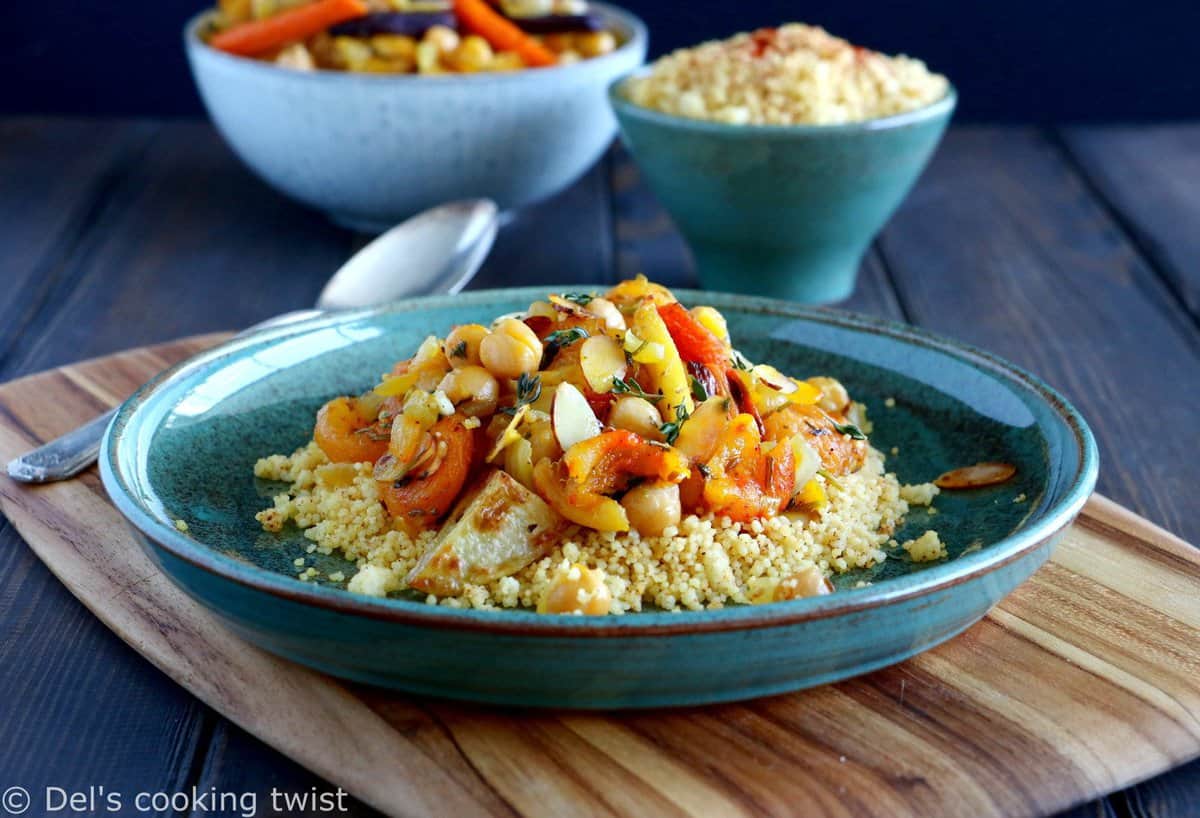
x,y
594,455
791,75
410,36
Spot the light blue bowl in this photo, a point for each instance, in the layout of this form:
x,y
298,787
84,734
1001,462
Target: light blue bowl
x,y
372,150
782,211
184,447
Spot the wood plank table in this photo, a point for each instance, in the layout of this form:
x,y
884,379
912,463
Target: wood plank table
x,y
1074,252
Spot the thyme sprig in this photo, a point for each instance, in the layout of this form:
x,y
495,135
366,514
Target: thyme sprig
x,y
851,430
557,340
629,386
670,430
529,389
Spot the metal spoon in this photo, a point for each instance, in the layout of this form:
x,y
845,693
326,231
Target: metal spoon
x,y
434,252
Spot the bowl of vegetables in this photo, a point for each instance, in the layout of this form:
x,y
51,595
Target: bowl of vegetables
x,y
372,110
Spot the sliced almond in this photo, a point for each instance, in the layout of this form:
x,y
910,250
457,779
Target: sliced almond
x,y
601,359
572,417
977,476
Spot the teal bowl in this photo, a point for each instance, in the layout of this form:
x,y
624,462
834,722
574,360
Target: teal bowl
x,y
780,211
184,446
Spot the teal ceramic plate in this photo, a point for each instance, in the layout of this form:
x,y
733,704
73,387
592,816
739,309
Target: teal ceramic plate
x,y
184,446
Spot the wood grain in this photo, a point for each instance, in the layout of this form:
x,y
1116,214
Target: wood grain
x,y
1084,680
1148,176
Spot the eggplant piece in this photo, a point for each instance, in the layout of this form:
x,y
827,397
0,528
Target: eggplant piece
x,y
411,23
559,23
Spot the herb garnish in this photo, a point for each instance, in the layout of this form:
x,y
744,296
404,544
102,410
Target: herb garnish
x,y
740,361
671,430
829,477
566,337
529,389
632,387
699,392
582,299
851,430
459,350
558,339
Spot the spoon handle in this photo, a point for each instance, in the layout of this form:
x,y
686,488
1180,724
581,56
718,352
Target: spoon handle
x,y
66,456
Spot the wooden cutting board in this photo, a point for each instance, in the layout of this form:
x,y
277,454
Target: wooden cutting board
x,y
1085,680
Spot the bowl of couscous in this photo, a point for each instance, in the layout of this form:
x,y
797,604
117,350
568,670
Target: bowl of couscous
x,y
372,115
567,497
783,150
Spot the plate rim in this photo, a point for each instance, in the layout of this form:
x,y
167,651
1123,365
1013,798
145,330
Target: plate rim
x,y
1009,549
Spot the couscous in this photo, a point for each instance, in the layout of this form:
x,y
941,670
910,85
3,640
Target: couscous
x,y
592,455
791,75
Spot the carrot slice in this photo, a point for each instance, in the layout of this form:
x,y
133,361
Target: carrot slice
x,y
259,36
420,502
503,35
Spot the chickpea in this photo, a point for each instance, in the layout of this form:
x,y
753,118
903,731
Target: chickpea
x,y
429,58
512,349
379,65
446,39
652,507
472,389
529,8
351,52
636,415
604,309
462,345
807,582
473,54
544,441
834,397
395,46
507,61
595,43
577,590
558,42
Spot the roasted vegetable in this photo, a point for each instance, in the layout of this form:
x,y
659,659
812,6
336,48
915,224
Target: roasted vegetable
x,y
348,433
259,36
559,23
503,34
577,486
693,340
668,376
840,452
410,23
745,481
420,499
493,532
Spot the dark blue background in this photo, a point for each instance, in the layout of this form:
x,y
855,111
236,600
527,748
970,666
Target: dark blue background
x,y
1015,60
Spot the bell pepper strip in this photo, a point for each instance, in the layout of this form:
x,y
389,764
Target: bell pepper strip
x,y
739,390
260,36
748,483
503,35
840,454
606,463
694,341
